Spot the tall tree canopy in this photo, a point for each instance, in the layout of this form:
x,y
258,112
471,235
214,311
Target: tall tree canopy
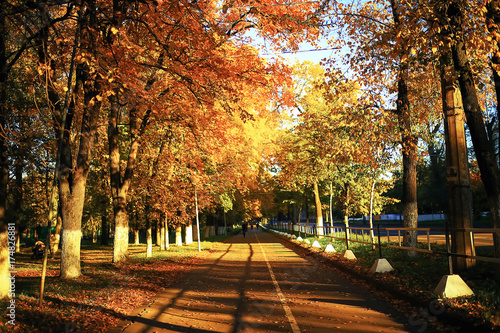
x,y
180,68
170,100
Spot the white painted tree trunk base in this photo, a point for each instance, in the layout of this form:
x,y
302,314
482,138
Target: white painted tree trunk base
x,y
178,236
120,244
189,234
149,243
4,265
70,254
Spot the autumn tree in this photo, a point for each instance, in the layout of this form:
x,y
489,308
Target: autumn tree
x,y
138,61
389,57
450,23
14,44
81,116
185,66
421,34
335,141
484,149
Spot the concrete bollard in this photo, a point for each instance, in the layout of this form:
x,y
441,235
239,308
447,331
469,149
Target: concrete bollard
x,y
381,266
452,286
316,245
348,254
329,248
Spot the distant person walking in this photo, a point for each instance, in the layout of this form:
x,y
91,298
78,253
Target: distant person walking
x,y
244,228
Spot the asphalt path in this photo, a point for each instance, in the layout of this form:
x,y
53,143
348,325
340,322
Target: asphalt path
x,y
256,284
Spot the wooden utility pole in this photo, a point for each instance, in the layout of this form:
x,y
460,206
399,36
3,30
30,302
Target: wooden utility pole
x,y
457,169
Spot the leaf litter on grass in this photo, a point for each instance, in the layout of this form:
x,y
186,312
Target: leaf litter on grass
x,y
100,298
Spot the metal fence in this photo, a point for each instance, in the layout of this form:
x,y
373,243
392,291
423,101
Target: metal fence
x,y
393,237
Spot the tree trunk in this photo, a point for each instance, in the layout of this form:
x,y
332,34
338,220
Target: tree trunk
x,y
104,228
153,170
17,240
135,228
73,198
331,204
166,234
136,237
178,235
299,212
94,233
225,223
346,210
458,183
306,202
52,247
162,232
158,233
294,220
493,25
189,232
149,238
121,184
319,212
410,207
149,242
409,146
120,243
216,223
197,225
55,238
8,57
483,148
72,180
372,194
346,223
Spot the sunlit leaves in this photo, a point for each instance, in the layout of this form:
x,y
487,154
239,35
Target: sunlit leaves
x,y
188,87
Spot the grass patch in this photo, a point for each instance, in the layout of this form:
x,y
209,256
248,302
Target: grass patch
x,y
103,295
